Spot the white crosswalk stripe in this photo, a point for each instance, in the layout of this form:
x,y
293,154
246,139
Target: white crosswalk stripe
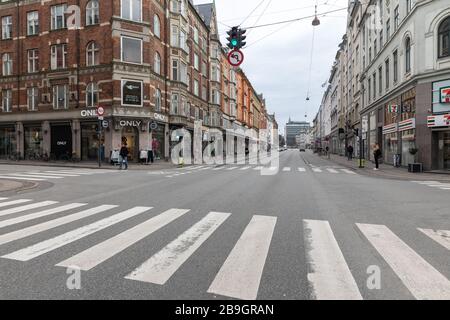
x,y
440,236
328,274
40,214
23,175
348,171
1,199
421,278
21,178
40,248
93,256
232,168
317,170
53,174
23,233
287,169
332,170
245,168
13,202
241,273
160,268
27,207
301,170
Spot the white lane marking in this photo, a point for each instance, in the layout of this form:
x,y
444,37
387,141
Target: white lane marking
x,y
318,170
330,170
348,171
425,182
13,202
240,275
159,268
218,168
328,273
93,256
21,178
27,207
54,174
43,247
72,172
287,169
1,199
23,175
40,214
444,188
421,278
23,233
440,236
301,169
232,168
244,168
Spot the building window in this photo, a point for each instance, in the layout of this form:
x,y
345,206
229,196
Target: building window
x,y
32,94
387,75
196,35
175,69
32,23
183,72
33,60
174,104
381,39
131,50
444,38
60,97
396,18
196,62
388,29
58,21
196,87
157,63
92,54
374,86
92,95
7,64
7,100
395,66
156,26
408,55
158,100
58,56
380,80
131,10
7,27
204,93
92,12
175,37
408,6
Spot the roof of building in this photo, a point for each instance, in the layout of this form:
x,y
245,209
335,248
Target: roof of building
x,y
205,11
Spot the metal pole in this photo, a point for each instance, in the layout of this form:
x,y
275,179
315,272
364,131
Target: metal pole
x,y
99,143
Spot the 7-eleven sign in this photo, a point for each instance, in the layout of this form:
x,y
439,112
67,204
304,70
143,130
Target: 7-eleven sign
x,y
393,108
445,95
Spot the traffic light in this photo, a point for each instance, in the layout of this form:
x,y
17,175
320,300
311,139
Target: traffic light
x,y
241,38
232,38
236,37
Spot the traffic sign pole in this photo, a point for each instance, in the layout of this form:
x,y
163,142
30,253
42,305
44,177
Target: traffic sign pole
x,y
100,113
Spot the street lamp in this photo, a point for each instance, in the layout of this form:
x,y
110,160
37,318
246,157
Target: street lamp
x,y
316,20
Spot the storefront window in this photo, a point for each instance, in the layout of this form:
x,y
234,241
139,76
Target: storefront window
x,y
89,142
391,146
8,144
33,142
444,151
408,143
158,144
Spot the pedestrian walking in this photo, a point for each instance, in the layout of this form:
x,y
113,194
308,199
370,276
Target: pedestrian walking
x,y
377,155
350,152
155,149
327,149
124,157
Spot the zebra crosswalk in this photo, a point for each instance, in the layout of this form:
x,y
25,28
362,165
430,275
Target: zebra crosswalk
x,y
434,184
252,168
52,175
241,272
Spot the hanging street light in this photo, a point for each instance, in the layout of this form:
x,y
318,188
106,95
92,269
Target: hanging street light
x,y
316,20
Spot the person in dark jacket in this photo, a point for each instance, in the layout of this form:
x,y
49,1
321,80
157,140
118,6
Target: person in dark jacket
x,y
377,155
124,157
350,152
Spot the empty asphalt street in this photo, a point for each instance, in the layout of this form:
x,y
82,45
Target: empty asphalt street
x,y
311,230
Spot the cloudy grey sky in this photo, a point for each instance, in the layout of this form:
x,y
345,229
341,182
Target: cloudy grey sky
x,y
278,62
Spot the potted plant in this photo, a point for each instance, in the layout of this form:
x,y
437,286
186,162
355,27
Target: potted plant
x,y
414,167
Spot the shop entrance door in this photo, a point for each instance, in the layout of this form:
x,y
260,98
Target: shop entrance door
x,y
446,150
130,136
61,142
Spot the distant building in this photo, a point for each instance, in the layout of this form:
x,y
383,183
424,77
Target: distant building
x,y
296,128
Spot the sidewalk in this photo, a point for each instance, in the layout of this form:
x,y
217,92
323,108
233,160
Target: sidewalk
x,y
387,171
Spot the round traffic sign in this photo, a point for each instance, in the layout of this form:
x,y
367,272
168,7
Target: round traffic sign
x,y
100,111
235,58
153,126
